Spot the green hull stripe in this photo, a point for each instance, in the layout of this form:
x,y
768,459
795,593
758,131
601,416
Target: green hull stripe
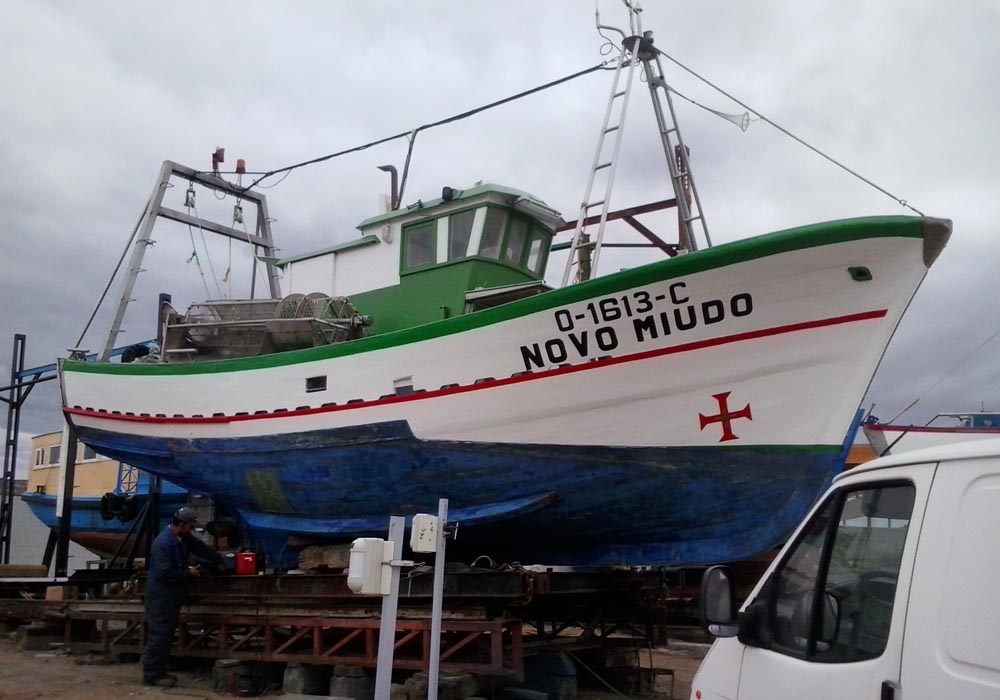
x,y
801,238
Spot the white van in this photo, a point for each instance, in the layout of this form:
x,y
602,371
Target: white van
x,y
889,589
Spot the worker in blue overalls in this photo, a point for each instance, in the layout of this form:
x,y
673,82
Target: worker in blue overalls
x,y
169,570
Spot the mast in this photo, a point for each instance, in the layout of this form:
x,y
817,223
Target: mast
x,y
260,240
637,47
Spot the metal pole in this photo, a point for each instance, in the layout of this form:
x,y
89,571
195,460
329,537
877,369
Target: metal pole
x,y
134,529
135,261
17,396
69,475
390,604
50,549
433,670
164,301
152,522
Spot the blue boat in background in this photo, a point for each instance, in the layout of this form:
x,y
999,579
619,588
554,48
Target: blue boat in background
x,y
108,495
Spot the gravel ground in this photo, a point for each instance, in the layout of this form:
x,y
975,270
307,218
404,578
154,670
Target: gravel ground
x,y
32,675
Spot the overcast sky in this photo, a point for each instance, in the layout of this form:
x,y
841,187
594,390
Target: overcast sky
x,y
96,95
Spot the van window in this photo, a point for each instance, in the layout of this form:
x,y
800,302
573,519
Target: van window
x,y
833,594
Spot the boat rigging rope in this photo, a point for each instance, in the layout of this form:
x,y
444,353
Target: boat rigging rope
x,y
256,268
742,121
946,375
786,132
412,133
194,253
114,273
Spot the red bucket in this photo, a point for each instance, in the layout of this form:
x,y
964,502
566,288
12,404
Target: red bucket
x,y
246,563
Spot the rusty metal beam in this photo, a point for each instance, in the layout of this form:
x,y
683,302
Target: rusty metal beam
x,y
343,642
318,640
622,213
297,636
668,248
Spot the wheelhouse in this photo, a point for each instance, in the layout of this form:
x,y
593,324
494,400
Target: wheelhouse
x,y
465,251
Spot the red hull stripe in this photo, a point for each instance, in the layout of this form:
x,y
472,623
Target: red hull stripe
x,y
493,383
931,429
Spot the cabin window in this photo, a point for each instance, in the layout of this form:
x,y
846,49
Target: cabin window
x,y
54,453
496,222
536,251
459,231
514,250
420,244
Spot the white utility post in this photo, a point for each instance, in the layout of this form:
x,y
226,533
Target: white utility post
x,y
433,670
390,604
374,570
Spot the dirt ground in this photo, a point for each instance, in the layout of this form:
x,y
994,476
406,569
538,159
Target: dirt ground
x,y
27,675
31,675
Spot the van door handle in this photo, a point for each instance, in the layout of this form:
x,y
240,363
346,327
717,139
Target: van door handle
x,y
891,690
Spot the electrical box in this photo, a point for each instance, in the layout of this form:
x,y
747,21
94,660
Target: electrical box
x,y
369,570
424,533
364,572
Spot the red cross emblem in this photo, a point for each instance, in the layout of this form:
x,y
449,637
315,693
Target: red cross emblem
x,y
725,417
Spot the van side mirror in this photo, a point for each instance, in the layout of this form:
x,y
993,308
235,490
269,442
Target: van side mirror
x,y
718,602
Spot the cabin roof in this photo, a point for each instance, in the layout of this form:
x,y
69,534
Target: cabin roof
x,y
354,243
479,190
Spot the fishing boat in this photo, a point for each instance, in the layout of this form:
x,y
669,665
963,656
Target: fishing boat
x,y
684,411
108,496
887,438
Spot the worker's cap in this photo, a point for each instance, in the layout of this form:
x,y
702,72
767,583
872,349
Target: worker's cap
x,y
186,515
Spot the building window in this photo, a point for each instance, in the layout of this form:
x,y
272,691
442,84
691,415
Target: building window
x,y
40,457
420,243
87,453
459,231
496,222
55,451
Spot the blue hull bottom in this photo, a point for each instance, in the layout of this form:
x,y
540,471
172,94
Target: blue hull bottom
x,y
549,504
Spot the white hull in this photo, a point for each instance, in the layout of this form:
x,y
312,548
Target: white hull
x,y
799,351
